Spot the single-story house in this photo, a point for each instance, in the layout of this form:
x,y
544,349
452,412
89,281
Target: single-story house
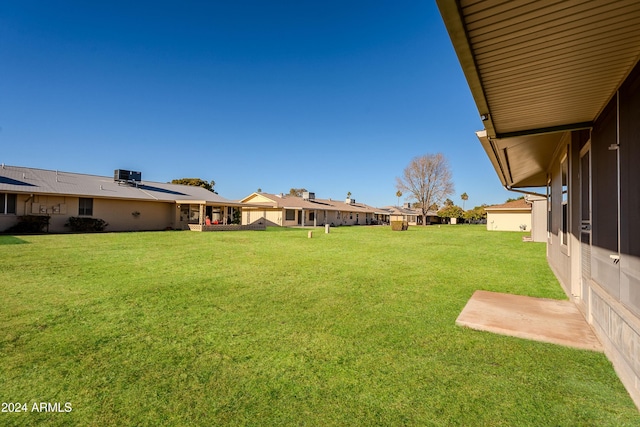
x,y
402,213
510,216
124,201
557,87
287,211
526,214
411,215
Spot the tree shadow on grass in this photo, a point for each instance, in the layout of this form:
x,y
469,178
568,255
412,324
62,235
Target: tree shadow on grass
x,y
11,240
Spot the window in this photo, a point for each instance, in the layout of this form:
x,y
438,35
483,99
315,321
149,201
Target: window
x,y
184,213
8,203
85,206
564,165
290,215
194,213
312,216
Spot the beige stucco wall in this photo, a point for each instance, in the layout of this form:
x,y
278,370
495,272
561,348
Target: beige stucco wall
x,y
270,215
508,220
117,213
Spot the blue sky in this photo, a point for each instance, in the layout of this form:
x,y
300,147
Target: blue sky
x,y
332,96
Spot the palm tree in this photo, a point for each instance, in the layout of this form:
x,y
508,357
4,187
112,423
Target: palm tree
x,y
464,197
398,195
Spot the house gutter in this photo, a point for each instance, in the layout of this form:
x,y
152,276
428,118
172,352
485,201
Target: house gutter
x,y
533,193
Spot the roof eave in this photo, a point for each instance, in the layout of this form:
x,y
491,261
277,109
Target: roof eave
x,y
492,153
452,16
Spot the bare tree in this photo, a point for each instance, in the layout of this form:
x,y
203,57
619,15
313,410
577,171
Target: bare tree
x,y
427,179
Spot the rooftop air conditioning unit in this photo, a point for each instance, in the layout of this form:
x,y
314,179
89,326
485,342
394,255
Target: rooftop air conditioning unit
x,y
127,176
308,196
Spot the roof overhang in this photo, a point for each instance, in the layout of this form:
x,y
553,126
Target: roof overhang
x,y
525,210
211,203
539,70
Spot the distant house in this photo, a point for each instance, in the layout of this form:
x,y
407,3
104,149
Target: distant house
x,y
526,214
127,204
411,215
511,216
289,211
402,213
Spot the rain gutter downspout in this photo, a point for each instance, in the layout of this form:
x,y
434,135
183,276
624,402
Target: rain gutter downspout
x,y
26,202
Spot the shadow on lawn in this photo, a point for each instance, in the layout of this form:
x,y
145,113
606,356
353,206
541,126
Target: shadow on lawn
x,y
11,240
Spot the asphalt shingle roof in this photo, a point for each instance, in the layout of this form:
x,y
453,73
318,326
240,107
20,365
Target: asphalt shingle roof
x,y
520,204
16,179
295,202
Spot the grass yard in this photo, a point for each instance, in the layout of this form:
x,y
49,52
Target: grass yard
x,y
352,328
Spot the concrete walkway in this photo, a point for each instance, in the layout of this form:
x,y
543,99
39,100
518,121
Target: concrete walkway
x,y
539,319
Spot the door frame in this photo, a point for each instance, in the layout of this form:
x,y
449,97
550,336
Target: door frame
x,y
586,238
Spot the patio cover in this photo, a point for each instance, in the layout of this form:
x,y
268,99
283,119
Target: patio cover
x,y
539,69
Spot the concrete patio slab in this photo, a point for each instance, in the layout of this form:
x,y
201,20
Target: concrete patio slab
x,y
540,319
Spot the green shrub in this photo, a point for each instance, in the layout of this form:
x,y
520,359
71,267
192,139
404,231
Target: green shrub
x,y
86,225
236,217
399,225
30,224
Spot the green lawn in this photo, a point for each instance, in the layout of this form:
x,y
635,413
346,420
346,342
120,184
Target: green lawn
x,y
352,328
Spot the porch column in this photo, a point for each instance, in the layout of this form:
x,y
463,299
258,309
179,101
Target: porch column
x,y
200,220
302,213
315,217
